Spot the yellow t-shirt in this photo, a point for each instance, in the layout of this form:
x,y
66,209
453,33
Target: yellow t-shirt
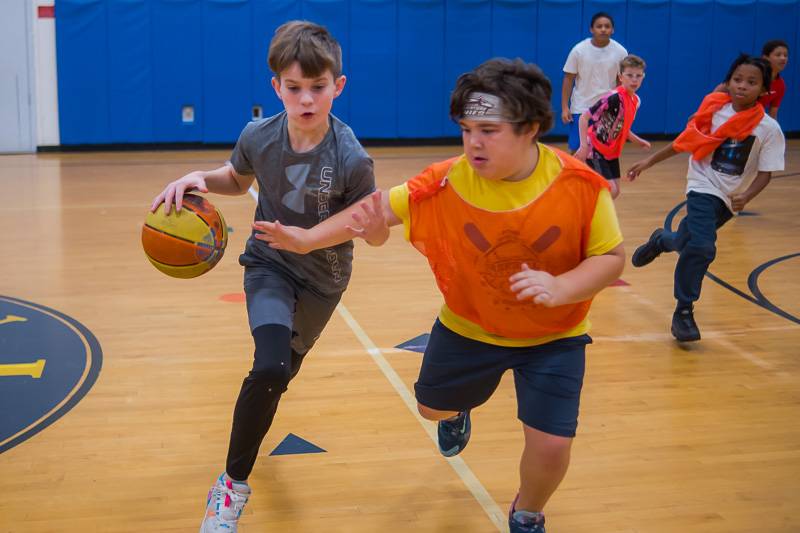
x,y
500,196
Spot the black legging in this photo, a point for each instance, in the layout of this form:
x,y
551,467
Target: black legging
x,y
274,366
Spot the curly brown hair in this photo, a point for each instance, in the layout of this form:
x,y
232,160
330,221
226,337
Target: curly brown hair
x,y
522,87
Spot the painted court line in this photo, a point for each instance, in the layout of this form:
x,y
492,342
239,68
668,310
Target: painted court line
x,y
469,479
663,337
722,339
638,337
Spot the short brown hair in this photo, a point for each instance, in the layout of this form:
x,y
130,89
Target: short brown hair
x,y
309,44
522,87
631,61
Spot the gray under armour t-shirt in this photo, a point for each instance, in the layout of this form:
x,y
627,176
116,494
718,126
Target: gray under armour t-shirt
x,y
303,189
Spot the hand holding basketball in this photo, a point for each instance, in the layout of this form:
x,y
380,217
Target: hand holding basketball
x,y
194,181
186,243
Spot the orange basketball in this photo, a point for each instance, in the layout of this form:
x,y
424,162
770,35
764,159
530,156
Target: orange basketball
x,y
188,243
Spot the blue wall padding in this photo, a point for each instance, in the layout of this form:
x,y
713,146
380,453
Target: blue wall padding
x,y
729,14
512,21
267,16
126,68
334,14
420,62
227,50
83,77
130,87
372,70
792,76
648,30
177,69
467,34
559,29
689,73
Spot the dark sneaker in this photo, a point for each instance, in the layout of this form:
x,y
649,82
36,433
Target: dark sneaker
x,y
524,521
646,253
454,434
684,328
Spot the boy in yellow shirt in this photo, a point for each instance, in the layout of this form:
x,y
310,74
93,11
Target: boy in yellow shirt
x,y
520,237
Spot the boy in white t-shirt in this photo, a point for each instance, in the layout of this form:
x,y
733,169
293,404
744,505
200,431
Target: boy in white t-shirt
x,y
735,148
592,66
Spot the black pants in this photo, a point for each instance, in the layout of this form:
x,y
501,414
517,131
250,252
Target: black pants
x,y
695,241
274,366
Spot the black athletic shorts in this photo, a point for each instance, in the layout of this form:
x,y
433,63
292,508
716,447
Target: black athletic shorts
x,y
608,168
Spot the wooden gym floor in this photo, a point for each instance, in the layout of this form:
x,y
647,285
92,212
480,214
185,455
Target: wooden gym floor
x,y
703,438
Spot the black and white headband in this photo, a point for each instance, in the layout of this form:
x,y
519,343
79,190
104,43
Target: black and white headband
x,y
484,107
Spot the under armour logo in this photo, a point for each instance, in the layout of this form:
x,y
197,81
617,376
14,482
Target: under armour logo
x,y
295,199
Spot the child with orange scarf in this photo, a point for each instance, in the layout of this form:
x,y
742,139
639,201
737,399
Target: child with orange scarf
x,y
735,148
520,237
606,125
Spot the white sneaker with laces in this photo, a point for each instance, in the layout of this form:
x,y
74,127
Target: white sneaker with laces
x,y
226,501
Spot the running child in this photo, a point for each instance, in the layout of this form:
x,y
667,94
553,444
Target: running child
x,y
606,125
735,148
308,165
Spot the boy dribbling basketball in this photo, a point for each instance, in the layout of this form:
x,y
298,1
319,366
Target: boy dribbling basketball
x,y
308,165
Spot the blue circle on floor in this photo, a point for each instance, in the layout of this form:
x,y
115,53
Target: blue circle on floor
x,y
48,362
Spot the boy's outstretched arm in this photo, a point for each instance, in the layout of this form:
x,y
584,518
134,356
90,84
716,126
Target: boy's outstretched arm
x,y
369,218
638,140
224,180
640,166
762,179
591,276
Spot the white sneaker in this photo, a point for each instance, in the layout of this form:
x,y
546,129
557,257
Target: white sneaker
x,y
226,501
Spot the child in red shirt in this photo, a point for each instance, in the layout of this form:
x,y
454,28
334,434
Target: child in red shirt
x,y
776,52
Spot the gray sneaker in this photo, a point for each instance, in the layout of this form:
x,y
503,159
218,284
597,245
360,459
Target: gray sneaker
x,y
226,501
